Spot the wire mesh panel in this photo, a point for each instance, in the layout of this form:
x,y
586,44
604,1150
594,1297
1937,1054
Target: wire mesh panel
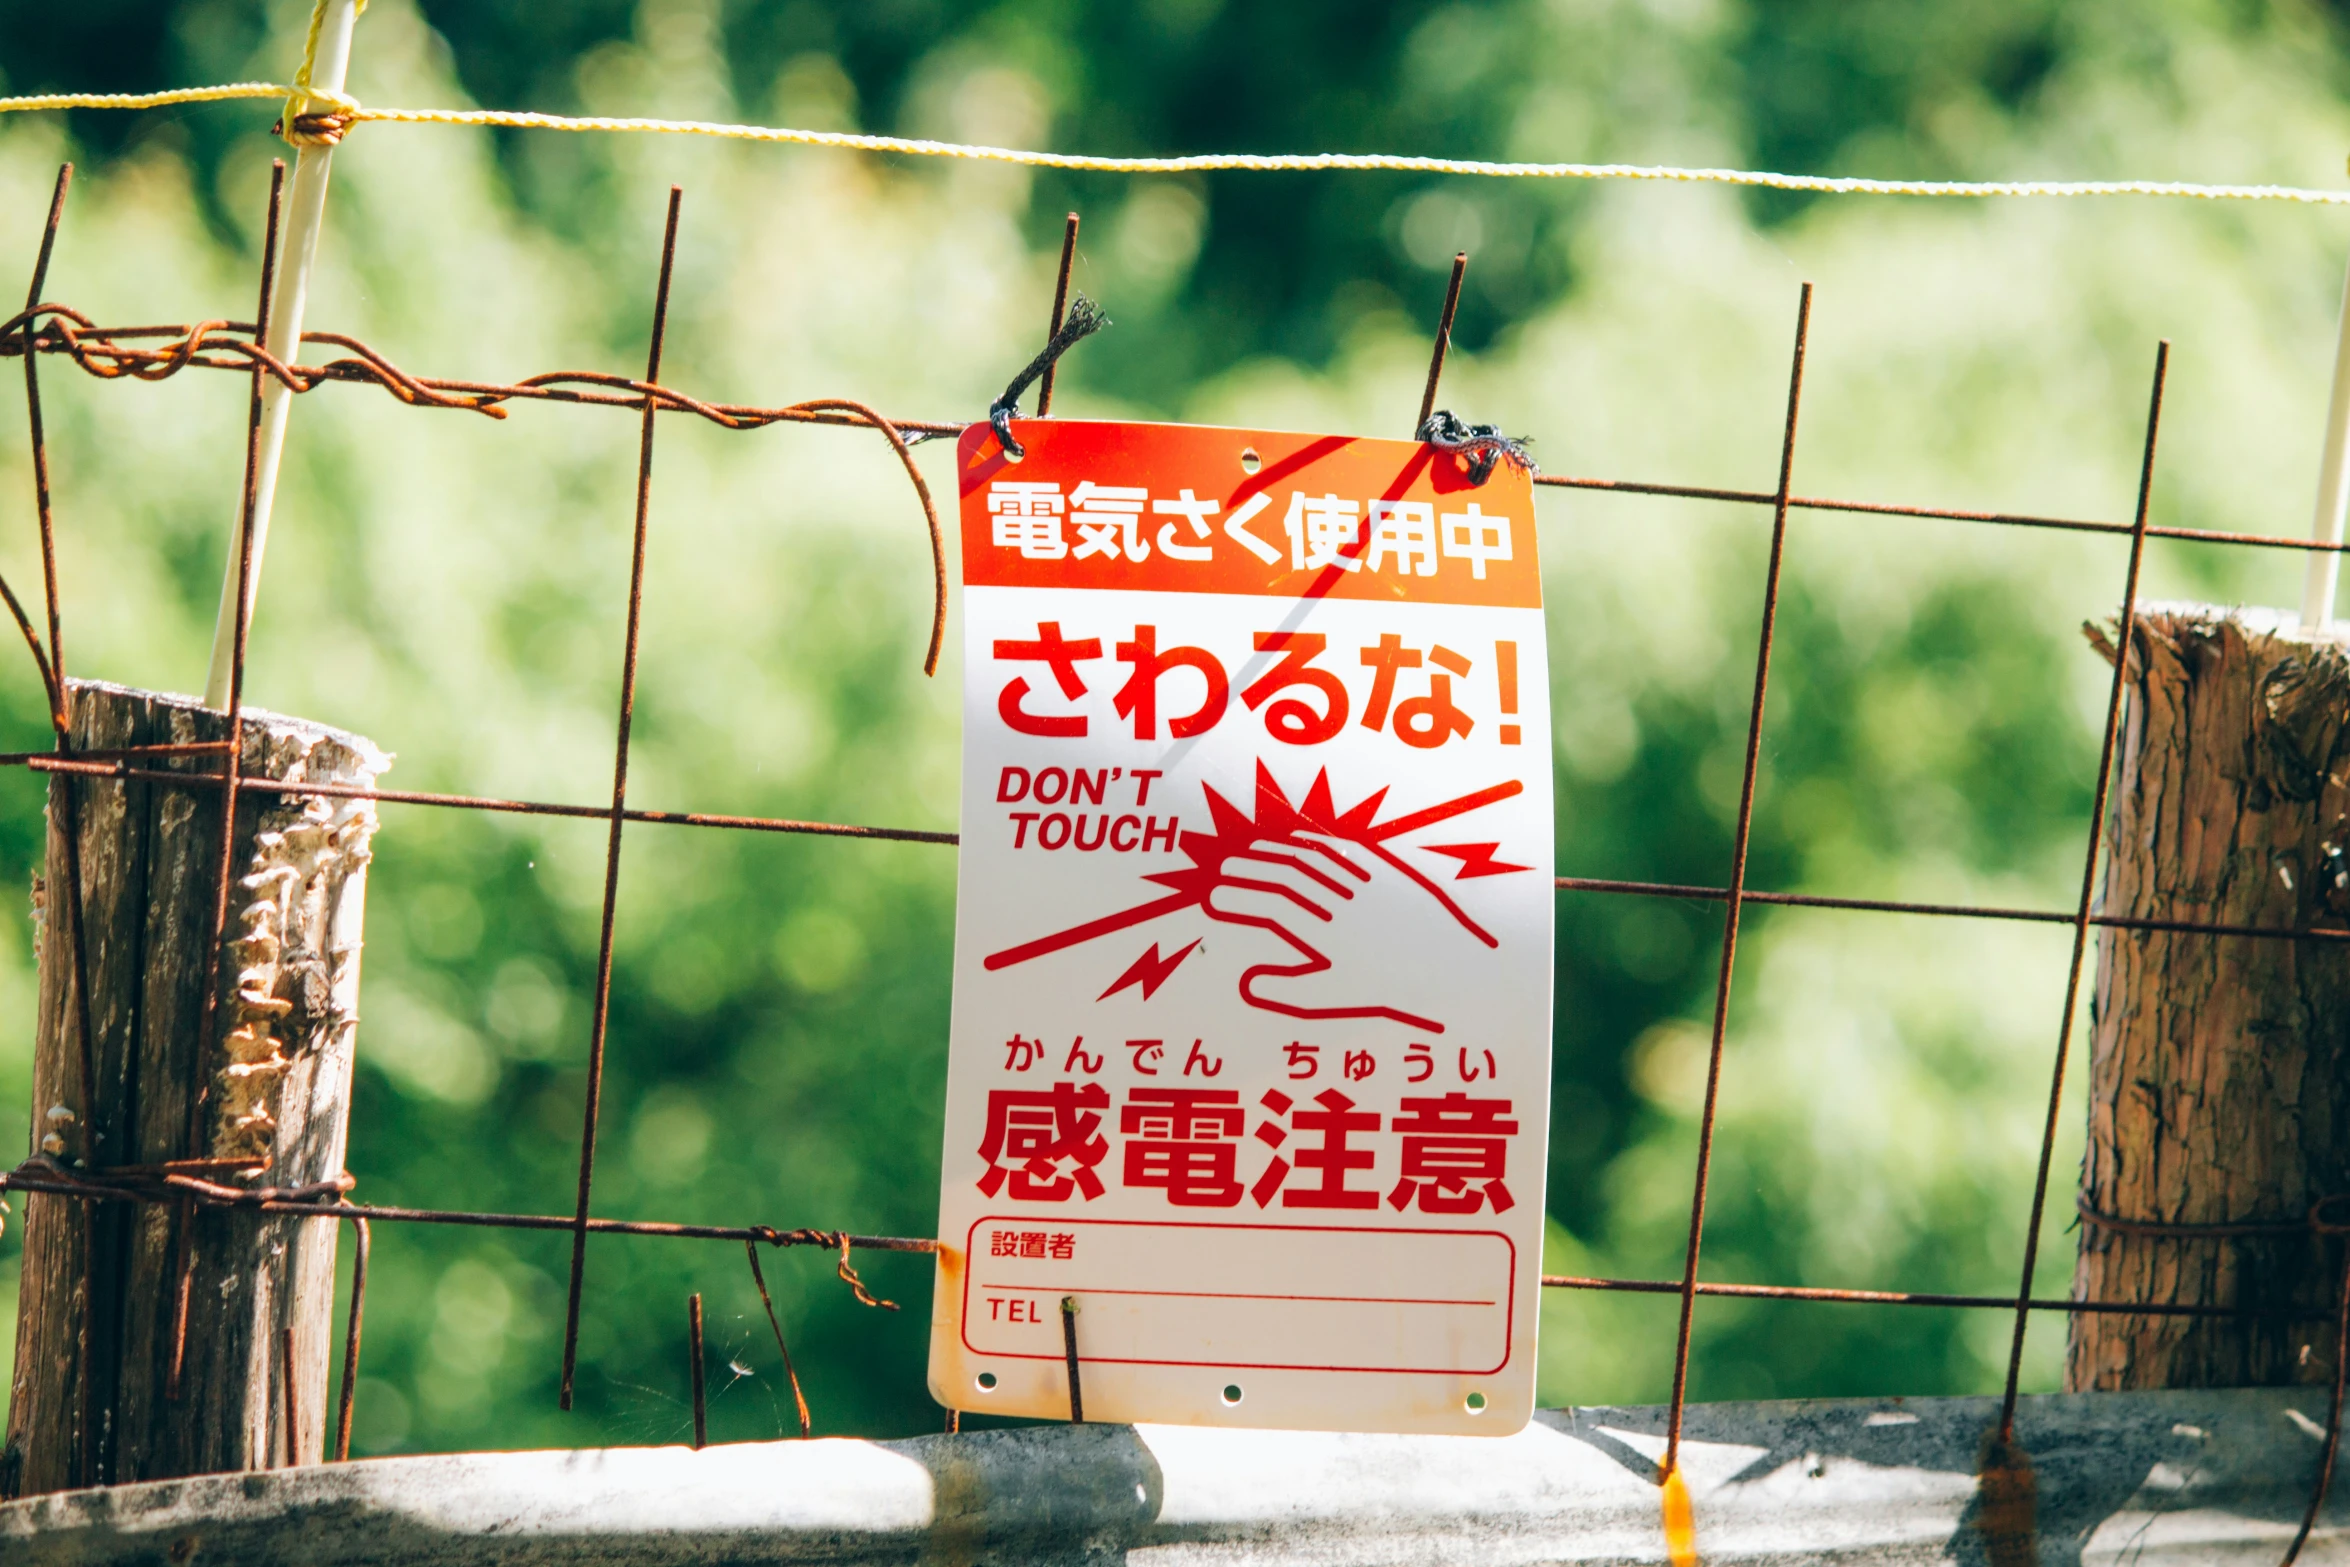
x,y
47,329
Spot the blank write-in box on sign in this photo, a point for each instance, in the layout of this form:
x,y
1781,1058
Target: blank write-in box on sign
x,y
1285,1297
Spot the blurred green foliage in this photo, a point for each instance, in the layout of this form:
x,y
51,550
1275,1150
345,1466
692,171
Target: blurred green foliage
x,y
451,586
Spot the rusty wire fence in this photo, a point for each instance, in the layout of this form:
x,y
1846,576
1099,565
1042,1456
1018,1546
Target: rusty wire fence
x,y
157,352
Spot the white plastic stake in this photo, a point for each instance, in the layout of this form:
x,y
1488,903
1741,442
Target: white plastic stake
x,y
306,210
2333,491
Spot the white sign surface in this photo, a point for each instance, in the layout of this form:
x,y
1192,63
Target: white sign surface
x,y
1250,1058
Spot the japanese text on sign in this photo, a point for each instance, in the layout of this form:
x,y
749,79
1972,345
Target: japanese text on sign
x,y
1251,1018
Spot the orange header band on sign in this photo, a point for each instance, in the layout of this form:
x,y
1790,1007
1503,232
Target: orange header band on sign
x,y
1173,508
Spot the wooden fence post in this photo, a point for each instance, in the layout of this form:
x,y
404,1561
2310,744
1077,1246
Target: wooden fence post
x,y
92,1400
2220,1067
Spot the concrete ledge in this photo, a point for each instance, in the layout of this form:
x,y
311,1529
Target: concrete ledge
x,y
2138,1478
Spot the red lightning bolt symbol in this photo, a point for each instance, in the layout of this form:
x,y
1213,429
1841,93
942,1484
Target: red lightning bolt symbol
x,y
1150,971
1476,860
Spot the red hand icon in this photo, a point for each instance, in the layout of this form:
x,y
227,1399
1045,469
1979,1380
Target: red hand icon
x,y
1356,929
1320,895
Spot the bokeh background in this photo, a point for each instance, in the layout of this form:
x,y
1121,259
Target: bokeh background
x,y
452,587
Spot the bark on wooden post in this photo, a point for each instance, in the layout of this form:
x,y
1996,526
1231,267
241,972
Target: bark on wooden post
x,y
2220,1067
90,1402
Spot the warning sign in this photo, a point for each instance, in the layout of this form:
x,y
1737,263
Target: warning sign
x,y
1251,1040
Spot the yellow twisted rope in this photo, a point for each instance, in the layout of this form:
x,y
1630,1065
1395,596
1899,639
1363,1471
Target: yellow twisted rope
x,y
143,100
346,111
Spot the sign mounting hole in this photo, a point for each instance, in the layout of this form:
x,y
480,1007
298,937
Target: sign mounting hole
x,y
1231,1393
1475,1403
987,1382
1250,462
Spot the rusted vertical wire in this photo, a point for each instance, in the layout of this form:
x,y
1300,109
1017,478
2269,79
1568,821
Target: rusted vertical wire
x,y
1044,389
2124,636
232,769
693,1354
32,386
791,1374
2333,1442
69,816
285,1341
1452,302
60,714
351,1343
1069,1352
603,1002
1737,897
